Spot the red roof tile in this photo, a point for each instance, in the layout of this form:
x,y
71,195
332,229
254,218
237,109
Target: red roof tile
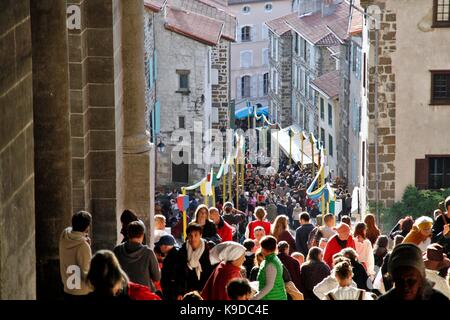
x,y
193,25
213,9
329,40
279,26
328,83
356,22
314,27
339,28
154,5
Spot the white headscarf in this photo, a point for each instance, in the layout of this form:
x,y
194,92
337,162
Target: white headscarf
x,y
193,257
226,251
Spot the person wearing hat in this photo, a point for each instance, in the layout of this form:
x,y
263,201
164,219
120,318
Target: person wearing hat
x,y
167,254
230,256
339,241
436,268
441,228
407,270
421,232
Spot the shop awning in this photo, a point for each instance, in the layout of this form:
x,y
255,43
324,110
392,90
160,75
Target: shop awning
x,y
246,111
283,140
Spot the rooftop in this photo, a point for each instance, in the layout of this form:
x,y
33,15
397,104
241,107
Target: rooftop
x,y
233,2
155,5
314,27
328,84
279,26
356,22
213,9
193,25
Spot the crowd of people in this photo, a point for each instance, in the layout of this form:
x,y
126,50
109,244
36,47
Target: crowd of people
x,y
276,245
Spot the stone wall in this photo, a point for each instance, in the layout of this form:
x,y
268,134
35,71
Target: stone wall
x,y
220,56
17,220
286,80
386,109
149,46
78,90
190,55
343,138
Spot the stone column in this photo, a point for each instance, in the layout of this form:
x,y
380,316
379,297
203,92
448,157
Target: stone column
x,y
53,190
137,180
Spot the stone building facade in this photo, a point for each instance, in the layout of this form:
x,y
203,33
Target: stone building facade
x,y
411,148
313,31
73,132
280,61
221,90
204,57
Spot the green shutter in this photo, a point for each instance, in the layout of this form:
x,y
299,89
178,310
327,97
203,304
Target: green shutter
x,y
155,65
157,117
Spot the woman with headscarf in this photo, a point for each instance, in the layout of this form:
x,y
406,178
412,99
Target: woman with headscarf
x,y
421,232
230,256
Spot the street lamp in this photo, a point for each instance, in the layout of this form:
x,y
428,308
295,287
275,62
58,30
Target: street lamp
x,y
161,146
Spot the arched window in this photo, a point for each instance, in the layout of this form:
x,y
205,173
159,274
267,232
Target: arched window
x,y
246,33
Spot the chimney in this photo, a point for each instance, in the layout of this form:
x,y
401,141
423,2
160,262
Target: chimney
x,y
329,6
307,7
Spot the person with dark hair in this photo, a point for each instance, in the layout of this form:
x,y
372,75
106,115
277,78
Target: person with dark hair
x,y
126,218
249,262
239,289
441,228
347,220
201,217
407,269
402,227
380,250
166,249
109,281
302,233
224,230
373,231
360,275
270,276
312,272
137,259
75,251
291,264
437,265
194,266
364,248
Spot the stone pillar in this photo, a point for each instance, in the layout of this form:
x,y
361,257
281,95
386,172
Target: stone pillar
x,y
136,142
17,225
53,189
